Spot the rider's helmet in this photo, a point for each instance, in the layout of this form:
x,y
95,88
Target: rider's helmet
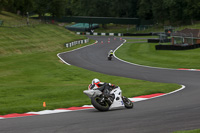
x,y
111,51
95,80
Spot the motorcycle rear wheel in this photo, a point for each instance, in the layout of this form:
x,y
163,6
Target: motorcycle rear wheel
x,y
109,58
101,106
127,103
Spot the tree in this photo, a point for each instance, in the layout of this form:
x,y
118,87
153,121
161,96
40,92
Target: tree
x,y
193,10
99,8
121,8
145,9
2,4
41,7
23,6
57,7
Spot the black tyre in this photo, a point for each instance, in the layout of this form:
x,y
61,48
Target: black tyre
x,y
101,106
128,103
109,58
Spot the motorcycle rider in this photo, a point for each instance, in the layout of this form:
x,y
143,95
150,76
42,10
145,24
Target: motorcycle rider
x,y
103,87
110,53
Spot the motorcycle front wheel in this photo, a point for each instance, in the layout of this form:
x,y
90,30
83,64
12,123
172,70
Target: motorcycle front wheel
x,y
127,103
99,104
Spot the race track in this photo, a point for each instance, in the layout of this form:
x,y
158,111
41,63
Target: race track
x,y
178,111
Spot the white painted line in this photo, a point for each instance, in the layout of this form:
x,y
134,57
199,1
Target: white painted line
x,y
182,87
147,67
58,55
138,64
62,59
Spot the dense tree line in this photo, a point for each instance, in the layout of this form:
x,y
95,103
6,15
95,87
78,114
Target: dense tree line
x,y
161,11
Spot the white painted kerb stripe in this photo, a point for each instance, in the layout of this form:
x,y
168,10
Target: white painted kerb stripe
x,y
137,99
88,106
48,112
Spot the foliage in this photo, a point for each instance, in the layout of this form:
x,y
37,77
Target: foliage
x,y
161,11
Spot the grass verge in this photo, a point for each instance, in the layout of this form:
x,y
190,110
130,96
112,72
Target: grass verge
x,y
145,54
189,131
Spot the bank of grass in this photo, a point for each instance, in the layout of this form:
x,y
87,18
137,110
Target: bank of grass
x,y
189,131
31,73
145,54
12,20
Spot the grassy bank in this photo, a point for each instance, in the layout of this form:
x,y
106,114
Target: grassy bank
x,y
189,131
31,73
145,54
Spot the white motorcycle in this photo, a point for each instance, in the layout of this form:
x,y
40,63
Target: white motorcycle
x,y
102,103
110,57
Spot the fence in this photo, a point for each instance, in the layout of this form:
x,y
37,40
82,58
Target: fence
x,y
19,23
79,42
1,22
99,34
174,47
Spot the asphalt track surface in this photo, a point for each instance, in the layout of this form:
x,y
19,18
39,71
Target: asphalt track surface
x,y
178,111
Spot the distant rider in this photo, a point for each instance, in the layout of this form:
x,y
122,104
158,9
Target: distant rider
x,y
103,87
110,53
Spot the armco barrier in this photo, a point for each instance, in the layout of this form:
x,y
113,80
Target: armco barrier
x,y
99,34
175,47
117,34
137,34
68,45
158,40
153,40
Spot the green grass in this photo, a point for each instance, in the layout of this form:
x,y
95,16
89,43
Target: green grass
x,y
31,73
12,20
189,131
145,54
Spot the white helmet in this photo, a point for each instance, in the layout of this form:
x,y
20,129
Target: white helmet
x,y
95,80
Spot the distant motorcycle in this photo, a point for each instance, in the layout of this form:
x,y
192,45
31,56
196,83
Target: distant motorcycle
x,y
110,57
101,103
